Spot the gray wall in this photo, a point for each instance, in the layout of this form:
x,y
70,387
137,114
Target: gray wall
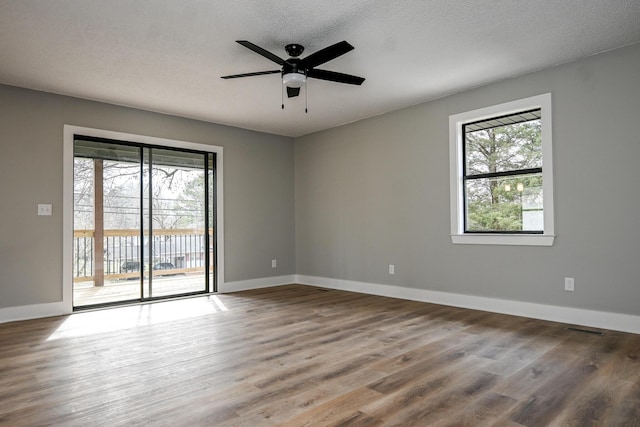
x,y
376,192
258,179
368,194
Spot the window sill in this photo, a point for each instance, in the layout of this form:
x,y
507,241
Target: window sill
x,y
503,239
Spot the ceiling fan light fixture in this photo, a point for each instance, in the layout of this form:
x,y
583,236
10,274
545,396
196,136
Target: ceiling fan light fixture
x,y
294,79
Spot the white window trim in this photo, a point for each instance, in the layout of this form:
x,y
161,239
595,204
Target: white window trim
x,y
456,157
67,197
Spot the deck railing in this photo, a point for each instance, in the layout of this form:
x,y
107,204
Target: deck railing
x,y
174,251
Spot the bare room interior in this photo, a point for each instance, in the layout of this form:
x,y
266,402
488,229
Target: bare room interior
x,y
278,213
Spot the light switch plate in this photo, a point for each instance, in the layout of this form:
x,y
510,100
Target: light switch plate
x,y
44,209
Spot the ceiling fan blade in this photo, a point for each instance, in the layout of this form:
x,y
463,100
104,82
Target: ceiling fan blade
x,y
292,91
335,77
258,73
261,51
326,54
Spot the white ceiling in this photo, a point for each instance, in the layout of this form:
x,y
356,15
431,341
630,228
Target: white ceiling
x,y
168,55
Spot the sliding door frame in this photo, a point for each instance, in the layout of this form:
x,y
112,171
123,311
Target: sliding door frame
x,y
216,152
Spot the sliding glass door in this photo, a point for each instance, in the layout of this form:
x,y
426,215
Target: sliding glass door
x,y
143,222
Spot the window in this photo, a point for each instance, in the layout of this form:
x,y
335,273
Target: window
x,y
165,156
501,174
141,213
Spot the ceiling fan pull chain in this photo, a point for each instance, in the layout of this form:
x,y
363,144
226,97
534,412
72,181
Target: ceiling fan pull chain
x,y
305,97
282,95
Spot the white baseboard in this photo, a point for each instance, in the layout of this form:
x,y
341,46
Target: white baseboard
x,y
26,312
265,282
575,316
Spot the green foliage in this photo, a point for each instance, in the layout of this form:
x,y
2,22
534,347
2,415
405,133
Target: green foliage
x,y
501,217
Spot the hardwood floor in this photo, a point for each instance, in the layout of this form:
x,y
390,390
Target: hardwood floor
x,y
302,356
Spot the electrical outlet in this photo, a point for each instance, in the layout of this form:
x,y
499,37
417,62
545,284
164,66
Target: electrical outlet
x,y
274,263
569,284
392,269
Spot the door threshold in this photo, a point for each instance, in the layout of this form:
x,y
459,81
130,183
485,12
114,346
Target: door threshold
x,y
131,303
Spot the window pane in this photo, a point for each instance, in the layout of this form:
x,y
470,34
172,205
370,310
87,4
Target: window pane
x,y
502,148
510,204
177,251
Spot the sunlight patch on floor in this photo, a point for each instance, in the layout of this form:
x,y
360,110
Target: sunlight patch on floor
x,y
121,318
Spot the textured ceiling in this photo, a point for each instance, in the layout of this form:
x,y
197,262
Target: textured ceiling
x,y
168,55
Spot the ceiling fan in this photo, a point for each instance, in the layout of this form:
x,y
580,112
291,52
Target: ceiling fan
x,y
295,71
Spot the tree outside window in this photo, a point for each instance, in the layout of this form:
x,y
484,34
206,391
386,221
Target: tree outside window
x,y
503,174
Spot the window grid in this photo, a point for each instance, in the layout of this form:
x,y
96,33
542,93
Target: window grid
x,y
491,123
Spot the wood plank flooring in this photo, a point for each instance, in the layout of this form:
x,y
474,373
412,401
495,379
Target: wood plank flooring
x,y
302,356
